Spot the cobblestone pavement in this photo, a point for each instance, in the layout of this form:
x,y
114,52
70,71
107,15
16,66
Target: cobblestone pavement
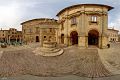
x,y
111,58
74,64
1,52
69,77
74,61
14,48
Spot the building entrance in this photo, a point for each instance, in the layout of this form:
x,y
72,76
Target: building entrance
x,y
37,38
62,38
74,37
93,37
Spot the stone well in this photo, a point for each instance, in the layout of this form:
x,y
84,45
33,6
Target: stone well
x,y
48,49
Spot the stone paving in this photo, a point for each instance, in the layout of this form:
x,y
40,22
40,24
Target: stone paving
x,y
14,48
74,61
69,77
74,64
111,58
1,52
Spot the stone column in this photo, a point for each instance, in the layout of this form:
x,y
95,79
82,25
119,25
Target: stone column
x,y
100,41
5,40
16,40
105,23
81,37
86,41
41,38
9,40
56,34
59,39
81,41
65,40
104,41
69,41
66,27
20,40
104,37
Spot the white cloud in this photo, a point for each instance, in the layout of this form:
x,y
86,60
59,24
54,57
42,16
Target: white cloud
x,y
115,23
14,12
8,15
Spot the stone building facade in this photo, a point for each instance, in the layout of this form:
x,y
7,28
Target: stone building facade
x,y
3,35
39,30
112,35
11,35
84,24
118,37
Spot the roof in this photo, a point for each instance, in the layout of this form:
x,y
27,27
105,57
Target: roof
x,y
109,7
114,30
4,30
38,19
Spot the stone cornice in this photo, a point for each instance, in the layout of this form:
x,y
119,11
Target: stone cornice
x,y
49,23
78,13
48,26
87,5
45,20
95,13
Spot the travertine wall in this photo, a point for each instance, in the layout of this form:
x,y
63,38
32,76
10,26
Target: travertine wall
x,y
39,30
3,35
83,14
113,35
77,20
10,35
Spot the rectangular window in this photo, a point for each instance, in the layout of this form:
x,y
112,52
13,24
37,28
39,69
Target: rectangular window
x,y
30,30
73,20
50,29
94,18
111,39
37,29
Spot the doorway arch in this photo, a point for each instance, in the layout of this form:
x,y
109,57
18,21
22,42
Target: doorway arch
x,y
93,37
74,37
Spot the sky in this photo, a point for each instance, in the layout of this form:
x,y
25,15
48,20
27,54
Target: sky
x,y
14,12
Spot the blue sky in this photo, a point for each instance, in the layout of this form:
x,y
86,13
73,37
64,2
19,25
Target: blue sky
x,y
14,12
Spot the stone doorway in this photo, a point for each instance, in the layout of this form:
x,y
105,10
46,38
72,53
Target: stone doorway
x,y
62,38
93,37
74,37
37,38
